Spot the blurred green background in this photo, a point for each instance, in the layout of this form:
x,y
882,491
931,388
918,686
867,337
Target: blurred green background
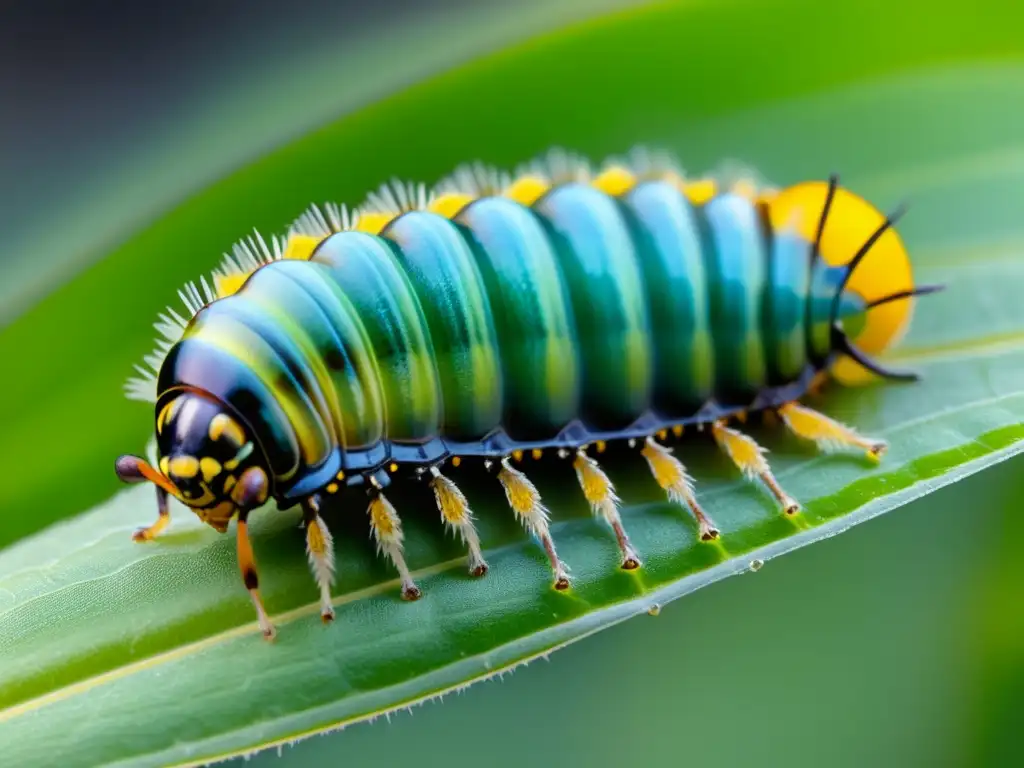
x,y
899,643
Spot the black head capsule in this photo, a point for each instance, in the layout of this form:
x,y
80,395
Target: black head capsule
x,y
206,460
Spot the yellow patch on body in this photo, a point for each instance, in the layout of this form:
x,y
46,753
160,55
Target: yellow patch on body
x,y
300,247
700,191
883,271
527,190
615,181
448,205
373,223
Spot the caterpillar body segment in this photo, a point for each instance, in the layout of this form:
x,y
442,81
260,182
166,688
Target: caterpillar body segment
x,y
503,315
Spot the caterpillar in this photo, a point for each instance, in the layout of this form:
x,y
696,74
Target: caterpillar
x,y
498,315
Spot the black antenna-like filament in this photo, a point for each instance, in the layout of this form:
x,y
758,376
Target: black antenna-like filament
x,y
921,290
863,251
842,344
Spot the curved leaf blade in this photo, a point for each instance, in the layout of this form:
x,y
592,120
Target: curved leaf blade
x,y
148,655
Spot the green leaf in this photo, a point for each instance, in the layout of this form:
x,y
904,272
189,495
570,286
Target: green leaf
x,y
148,654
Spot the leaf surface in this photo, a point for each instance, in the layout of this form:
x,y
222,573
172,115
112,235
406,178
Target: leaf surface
x,y
148,655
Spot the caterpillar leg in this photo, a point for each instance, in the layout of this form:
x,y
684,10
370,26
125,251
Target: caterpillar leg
x,y
132,469
456,515
748,456
829,434
600,493
671,475
524,498
387,531
247,565
320,550
163,519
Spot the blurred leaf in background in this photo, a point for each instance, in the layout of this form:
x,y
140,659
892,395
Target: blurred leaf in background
x,y
912,100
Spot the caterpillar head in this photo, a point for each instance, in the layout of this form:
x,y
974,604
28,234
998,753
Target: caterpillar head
x,y
873,300
207,460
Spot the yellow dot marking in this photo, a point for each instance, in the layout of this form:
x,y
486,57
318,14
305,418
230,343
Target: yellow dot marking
x,y
699,192
392,467
536,453
184,466
662,434
456,461
450,204
741,417
229,483
677,430
165,465
209,467
614,181
332,487
340,475
373,223
601,446
517,455
222,424
527,190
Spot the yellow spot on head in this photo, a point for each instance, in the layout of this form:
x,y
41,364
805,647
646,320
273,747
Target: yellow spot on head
x,y
184,466
601,446
536,453
340,475
332,487
517,455
373,223
392,467
450,204
662,434
209,467
615,181
677,430
222,424
165,465
300,247
456,461
527,190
